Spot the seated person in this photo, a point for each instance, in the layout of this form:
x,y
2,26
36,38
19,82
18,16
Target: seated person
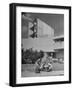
x,y
43,64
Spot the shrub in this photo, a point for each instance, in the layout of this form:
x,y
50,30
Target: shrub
x,y
30,57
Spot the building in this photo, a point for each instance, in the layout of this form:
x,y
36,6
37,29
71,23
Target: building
x,y
38,35
59,46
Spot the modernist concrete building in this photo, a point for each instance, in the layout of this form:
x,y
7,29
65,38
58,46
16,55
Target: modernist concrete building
x,y
38,35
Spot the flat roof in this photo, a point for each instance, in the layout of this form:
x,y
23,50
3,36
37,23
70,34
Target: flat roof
x,y
58,37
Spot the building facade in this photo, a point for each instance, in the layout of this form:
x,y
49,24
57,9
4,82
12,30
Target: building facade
x,y
59,46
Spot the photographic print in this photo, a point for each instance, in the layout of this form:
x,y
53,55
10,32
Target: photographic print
x,y
40,44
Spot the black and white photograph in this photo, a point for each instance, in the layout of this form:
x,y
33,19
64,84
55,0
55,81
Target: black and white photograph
x,y
40,44
42,37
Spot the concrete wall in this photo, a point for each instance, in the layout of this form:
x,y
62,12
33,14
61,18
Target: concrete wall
x,y
44,29
45,44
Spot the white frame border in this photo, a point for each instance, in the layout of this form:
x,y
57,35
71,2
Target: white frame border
x,y
19,79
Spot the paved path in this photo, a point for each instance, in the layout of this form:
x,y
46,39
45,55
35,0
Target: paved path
x,y
42,73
